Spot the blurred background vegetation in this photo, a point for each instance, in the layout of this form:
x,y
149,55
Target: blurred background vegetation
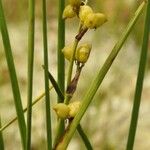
x,y
107,120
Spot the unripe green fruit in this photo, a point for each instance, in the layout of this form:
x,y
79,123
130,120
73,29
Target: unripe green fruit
x,y
75,3
84,11
83,52
67,51
62,110
68,12
74,108
94,20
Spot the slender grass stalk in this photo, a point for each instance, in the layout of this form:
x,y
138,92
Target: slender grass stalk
x,y
79,128
139,83
61,43
71,63
98,80
13,76
84,138
30,70
56,86
1,138
60,58
47,99
24,110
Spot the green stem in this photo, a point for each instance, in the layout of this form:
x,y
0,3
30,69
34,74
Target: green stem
x,y
98,80
47,97
139,83
1,138
24,110
30,70
84,138
61,44
13,76
60,59
71,62
67,97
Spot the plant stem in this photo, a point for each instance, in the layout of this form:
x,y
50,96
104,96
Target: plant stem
x,y
71,63
61,43
47,96
24,110
98,80
13,76
67,97
30,70
84,138
139,83
1,138
60,59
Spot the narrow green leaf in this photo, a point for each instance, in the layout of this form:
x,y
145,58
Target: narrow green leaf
x,y
30,70
13,76
1,138
84,138
139,83
98,80
47,96
56,86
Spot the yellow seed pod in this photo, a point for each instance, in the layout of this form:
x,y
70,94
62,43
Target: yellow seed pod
x,y
94,20
84,11
75,3
74,108
83,52
68,12
67,51
100,19
89,22
62,110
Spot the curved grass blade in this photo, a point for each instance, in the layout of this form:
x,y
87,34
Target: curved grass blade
x,y
98,80
47,96
139,83
13,76
30,70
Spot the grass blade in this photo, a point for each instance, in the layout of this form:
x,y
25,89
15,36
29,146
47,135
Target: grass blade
x,y
98,80
60,58
47,96
13,76
30,70
24,110
56,86
61,43
1,138
84,138
139,83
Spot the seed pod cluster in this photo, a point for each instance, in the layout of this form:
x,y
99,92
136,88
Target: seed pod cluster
x,y
72,9
64,111
68,12
90,19
82,53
